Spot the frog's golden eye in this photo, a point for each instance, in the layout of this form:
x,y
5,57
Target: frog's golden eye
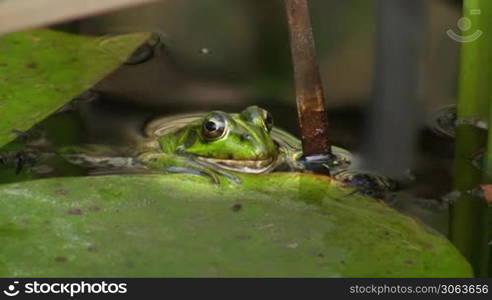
x,y
214,127
268,119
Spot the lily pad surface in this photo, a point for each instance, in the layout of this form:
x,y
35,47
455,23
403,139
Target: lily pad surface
x,y
282,224
41,70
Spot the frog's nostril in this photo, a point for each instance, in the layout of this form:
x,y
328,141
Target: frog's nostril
x,y
246,137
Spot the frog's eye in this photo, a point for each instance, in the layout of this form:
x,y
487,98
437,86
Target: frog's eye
x,y
268,119
214,127
259,116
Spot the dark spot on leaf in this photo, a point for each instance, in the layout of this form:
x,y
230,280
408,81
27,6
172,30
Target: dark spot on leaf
x,y
236,207
31,65
242,237
3,65
94,208
320,255
61,192
409,262
92,249
60,259
75,211
427,245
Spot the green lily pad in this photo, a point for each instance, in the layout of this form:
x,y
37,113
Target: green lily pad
x,y
41,70
282,224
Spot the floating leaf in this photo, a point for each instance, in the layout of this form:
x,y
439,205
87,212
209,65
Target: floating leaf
x,y
41,70
282,224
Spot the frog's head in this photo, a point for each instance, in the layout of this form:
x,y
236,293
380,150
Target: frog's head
x,y
235,141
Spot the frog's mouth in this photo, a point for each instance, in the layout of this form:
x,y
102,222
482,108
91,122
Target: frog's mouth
x,y
245,166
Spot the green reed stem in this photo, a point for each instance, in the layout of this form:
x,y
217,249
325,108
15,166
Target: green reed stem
x,y
469,226
473,97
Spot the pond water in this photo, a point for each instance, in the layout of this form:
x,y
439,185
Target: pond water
x,y
195,65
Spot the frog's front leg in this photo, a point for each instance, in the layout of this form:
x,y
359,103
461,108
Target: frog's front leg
x,y
171,163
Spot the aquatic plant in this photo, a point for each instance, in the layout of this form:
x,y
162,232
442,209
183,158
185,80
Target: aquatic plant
x,y
469,225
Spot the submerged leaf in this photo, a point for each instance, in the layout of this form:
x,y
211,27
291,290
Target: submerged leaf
x,y
281,224
41,70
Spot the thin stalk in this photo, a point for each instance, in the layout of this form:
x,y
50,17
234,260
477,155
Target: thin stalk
x,y
485,80
487,174
473,94
309,91
469,226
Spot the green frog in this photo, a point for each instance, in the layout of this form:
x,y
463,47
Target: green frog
x,y
212,144
218,145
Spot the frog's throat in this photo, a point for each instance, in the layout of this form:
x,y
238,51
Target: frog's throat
x,y
244,166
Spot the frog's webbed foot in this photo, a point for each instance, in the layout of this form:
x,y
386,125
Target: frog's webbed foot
x,y
228,176
183,170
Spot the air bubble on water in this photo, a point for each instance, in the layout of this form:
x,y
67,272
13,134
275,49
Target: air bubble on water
x,y
451,197
476,193
205,51
410,175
